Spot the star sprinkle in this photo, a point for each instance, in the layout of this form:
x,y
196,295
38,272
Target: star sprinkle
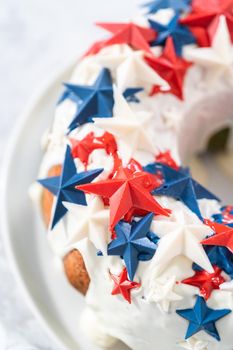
x,y
181,235
92,222
97,99
167,159
202,318
162,293
223,236
193,344
131,128
180,34
204,18
171,68
218,59
127,191
206,282
63,187
179,185
129,33
132,243
225,217
176,5
123,286
83,148
130,94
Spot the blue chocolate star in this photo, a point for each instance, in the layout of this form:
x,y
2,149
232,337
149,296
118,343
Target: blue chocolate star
x,y
180,34
63,187
97,99
68,95
130,94
176,5
202,318
134,243
219,256
179,185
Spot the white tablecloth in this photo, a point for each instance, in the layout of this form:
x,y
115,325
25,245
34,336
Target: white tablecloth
x,y
37,37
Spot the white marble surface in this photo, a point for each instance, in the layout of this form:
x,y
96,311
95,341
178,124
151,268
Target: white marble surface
x,y
37,37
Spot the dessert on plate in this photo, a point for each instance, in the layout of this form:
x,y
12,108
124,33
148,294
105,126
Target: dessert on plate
x,y
149,247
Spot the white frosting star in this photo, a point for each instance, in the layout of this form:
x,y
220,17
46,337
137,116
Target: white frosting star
x,y
134,129
181,234
134,71
162,292
193,344
218,59
129,68
113,56
92,222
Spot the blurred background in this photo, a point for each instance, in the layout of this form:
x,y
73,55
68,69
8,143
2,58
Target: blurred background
x,y
37,39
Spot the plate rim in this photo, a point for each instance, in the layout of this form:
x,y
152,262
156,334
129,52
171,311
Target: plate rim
x,y
22,120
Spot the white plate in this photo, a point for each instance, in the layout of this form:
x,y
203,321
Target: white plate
x,y
52,300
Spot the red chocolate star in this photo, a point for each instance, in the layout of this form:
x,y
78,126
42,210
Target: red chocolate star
x,y
123,286
127,191
223,235
95,48
125,33
166,158
171,68
204,18
206,282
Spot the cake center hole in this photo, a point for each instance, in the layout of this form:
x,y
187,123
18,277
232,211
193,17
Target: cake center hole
x,y
219,141
213,168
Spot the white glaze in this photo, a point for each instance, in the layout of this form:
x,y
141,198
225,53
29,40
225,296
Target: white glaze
x,y
177,126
